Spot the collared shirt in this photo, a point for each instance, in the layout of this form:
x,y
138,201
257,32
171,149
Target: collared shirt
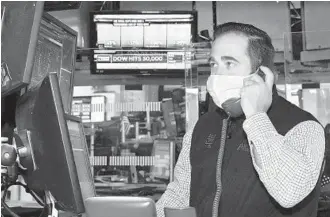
x,y
289,166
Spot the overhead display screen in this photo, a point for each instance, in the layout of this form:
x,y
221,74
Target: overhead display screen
x,y
141,42
142,30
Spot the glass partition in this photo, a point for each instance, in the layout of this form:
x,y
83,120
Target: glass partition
x,y
317,102
134,134
307,77
307,74
197,71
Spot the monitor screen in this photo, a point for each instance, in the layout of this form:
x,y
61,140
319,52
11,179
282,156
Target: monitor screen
x,y
141,42
55,52
81,156
43,129
151,29
20,23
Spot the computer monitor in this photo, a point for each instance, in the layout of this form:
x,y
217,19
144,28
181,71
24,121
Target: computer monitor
x,y
20,23
50,163
55,52
81,156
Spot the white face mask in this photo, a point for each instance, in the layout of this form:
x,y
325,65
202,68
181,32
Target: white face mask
x,y
224,87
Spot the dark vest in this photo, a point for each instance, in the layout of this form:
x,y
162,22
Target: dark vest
x,y
243,194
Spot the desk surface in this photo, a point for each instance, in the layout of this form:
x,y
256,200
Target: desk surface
x,y
25,204
22,208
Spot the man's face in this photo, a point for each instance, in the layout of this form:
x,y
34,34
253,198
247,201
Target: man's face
x,y
229,55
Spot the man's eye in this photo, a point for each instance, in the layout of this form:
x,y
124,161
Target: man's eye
x,y
213,64
229,64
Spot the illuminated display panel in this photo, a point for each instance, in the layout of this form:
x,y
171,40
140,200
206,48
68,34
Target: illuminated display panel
x,y
141,42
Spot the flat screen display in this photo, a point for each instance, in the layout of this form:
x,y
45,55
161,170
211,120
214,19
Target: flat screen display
x,y
142,30
81,158
55,52
20,23
141,42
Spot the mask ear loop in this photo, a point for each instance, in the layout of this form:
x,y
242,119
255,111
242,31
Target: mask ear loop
x,y
256,71
259,72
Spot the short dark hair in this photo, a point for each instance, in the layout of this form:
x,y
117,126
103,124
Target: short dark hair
x,y
260,48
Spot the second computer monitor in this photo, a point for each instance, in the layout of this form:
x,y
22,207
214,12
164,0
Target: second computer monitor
x,y
43,129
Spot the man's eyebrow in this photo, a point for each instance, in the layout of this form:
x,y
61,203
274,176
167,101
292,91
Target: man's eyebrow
x,y
224,58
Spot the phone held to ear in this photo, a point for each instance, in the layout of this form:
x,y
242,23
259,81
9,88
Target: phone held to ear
x,y
233,106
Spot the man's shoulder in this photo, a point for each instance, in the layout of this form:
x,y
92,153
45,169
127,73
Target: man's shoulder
x,y
287,115
293,111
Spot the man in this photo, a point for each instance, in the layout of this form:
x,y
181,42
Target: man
x,y
256,156
325,182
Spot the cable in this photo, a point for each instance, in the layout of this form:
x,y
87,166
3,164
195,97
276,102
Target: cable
x,y
102,5
33,194
5,193
299,21
28,190
45,206
36,197
216,201
295,10
12,213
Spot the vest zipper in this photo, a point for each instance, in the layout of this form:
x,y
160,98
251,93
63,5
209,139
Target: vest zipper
x,y
216,201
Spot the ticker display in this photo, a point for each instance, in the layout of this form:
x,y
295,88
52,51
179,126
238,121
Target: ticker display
x,y
167,60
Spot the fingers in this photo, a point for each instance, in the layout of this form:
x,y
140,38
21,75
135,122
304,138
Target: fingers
x,y
269,76
4,139
248,82
255,79
245,91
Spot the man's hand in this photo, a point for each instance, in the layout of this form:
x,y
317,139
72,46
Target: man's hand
x,y
256,95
